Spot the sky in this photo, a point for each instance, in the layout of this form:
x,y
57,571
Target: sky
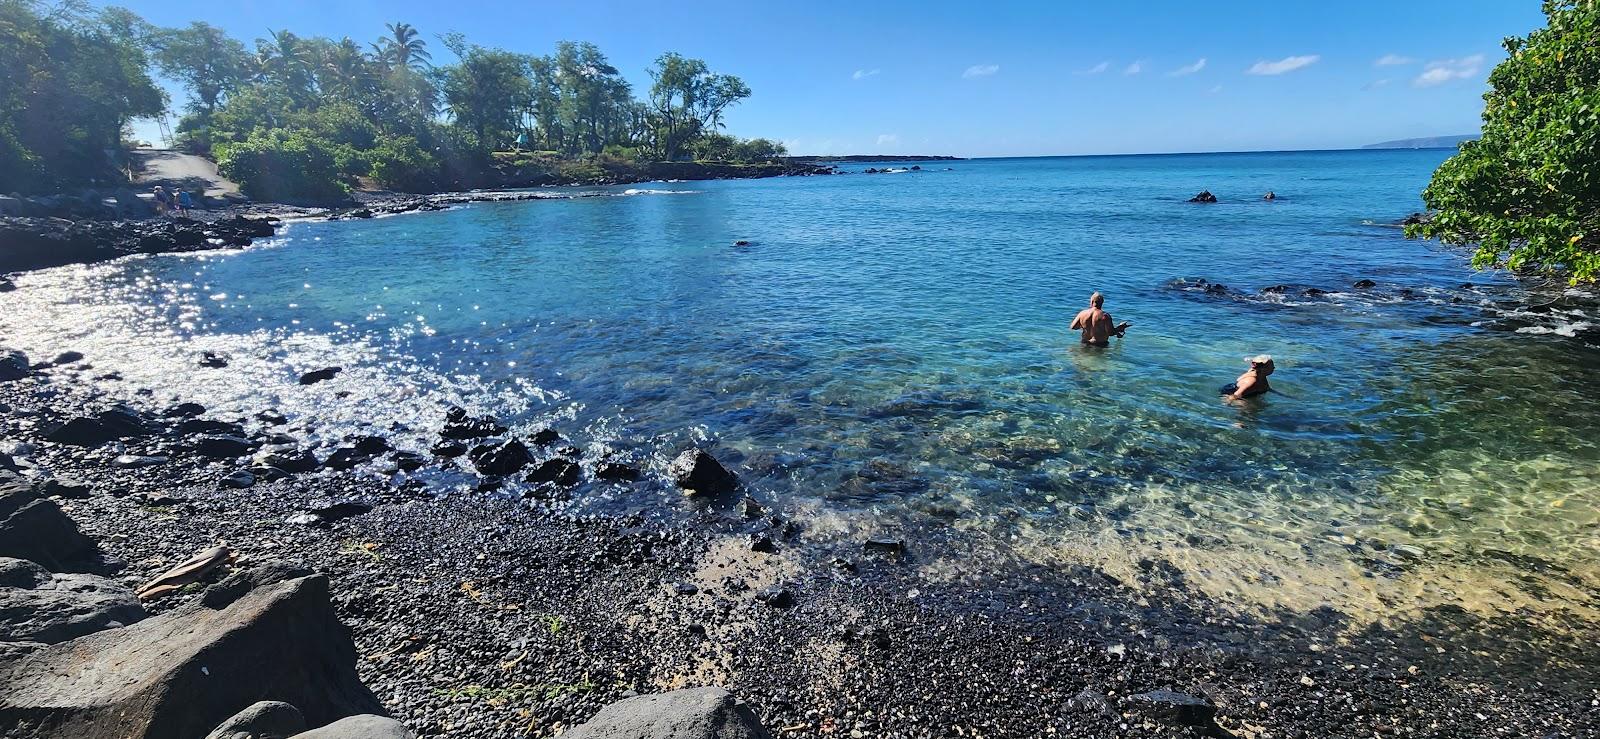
x,y
998,78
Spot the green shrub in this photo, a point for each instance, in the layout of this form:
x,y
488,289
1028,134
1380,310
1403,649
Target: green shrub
x,y
283,166
400,164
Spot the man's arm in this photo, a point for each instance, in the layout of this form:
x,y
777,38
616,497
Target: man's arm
x,y
1077,322
1242,388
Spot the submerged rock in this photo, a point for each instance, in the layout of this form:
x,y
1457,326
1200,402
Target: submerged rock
x,y
315,376
694,713
697,472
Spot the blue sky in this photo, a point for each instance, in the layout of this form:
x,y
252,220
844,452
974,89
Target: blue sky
x,y
1002,78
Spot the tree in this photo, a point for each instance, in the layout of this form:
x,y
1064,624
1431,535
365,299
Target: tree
x,y
69,86
688,99
404,48
1528,192
205,60
593,96
287,61
486,91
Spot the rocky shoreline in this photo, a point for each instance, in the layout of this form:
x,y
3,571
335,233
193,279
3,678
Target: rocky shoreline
x,y
474,614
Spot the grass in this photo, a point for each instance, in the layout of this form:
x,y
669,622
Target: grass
x,y
370,549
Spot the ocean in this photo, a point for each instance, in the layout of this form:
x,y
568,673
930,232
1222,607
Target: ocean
x,y
889,355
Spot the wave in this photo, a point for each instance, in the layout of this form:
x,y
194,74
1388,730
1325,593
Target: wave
x,y
643,191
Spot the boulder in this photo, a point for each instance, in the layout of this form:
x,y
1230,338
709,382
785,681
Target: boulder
x,y
289,458
116,423
1172,707
13,365
268,634
35,529
223,446
504,458
616,471
559,471
38,606
239,479
357,451
365,726
262,720
460,427
693,713
209,426
67,358
315,376
697,472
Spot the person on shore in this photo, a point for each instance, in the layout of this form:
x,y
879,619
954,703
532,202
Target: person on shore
x,y
185,202
1096,323
1253,382
162,200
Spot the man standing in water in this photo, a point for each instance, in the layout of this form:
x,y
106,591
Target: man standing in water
x,y
1096,324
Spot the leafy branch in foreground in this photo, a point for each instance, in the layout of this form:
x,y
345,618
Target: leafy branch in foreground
x,y
1528,192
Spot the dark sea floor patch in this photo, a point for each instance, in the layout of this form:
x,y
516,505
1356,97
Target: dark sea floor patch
x,y
475,615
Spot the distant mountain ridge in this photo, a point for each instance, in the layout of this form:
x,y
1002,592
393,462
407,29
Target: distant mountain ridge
x,y
1430,142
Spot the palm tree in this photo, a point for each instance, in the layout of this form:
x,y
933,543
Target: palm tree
x,y
286,59
345,70
403,48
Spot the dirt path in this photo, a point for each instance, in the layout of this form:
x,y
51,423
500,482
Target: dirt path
x,y
178,170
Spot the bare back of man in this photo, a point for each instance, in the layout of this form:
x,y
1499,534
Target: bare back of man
x,y
1096,323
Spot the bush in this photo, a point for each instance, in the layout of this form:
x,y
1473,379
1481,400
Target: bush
x,y
283,166
400,164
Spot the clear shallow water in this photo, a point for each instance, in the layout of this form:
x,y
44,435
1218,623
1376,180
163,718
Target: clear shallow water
x,y
890,352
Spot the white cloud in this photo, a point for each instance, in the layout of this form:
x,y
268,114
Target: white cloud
x,y
1216,89
862,74
1189,69
1134,68
1393,60
980,70
1375,84
1097,69
1284,65
888,139
1446,70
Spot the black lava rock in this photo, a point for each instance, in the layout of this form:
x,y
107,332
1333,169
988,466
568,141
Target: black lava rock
x,y
334,510
359,451
460,426
209,426
1364,284
315,376
504,458
213,360
449,449
558,471
409,461
616,471
762,543
697,472
239,479
1172,707
885,545
67,358
184,410
117,423
224,446
65,488
1204,196
13,365
776,596
545,437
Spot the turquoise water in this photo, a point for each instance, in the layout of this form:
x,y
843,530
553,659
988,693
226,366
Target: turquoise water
x,y
891,352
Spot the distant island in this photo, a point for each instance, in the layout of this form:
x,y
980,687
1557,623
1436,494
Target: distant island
x,y
1431,142
874,158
